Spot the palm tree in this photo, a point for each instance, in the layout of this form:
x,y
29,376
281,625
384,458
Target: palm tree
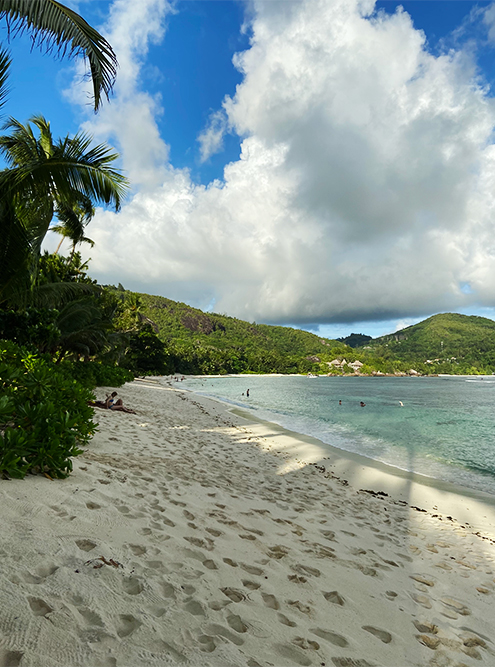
x,y
43,177
72,223
56,28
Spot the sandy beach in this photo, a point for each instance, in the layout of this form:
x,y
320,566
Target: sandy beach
x,y
191,535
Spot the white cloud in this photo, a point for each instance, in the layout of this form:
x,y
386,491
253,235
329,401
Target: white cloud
x,y
130,120
364,187
211,138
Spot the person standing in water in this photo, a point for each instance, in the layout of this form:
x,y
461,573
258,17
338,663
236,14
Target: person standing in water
x,y
247,393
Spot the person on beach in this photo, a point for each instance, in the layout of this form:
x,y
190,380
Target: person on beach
x,y
116,404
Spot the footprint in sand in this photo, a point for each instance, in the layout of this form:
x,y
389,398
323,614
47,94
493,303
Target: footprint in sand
x,y
237,624
137,549
457,606
294,655
383,635
252,585
252,569
39,607
270,601
132,586
234,594
93,506
331,637
10,658
278,552
127,625
210,564
306,644
207,644
194,608
220,631
286,621
85,545
335,597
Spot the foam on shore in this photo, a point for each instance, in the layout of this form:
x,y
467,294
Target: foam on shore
x,y
189,534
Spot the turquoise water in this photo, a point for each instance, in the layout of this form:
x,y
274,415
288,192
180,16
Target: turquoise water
x,y
445,428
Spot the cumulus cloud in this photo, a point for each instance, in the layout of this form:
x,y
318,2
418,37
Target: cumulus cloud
x,y
130,120
363,189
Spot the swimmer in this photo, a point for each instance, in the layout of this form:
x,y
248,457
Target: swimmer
x,y
362,404
401,404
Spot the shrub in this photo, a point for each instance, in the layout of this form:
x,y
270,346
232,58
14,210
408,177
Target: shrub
x,y
93,374
44,415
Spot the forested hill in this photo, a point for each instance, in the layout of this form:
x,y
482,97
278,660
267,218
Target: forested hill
x,y
446,342
217,343
201,343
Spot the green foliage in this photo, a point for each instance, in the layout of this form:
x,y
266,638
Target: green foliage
x,y
44,415
33,327
93,374
146,354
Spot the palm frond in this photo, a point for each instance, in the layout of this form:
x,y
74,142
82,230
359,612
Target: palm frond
x,y
4,71
56,28
56,295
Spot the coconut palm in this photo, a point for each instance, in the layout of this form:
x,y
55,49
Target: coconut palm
x,y
60,30
43,177
72,223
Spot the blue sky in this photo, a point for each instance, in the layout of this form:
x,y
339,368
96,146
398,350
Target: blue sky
x,y
333,180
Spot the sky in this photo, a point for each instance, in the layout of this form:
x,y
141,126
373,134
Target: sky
x,y
325,164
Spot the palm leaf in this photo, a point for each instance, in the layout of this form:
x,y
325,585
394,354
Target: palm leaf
x,y
4,70
56,28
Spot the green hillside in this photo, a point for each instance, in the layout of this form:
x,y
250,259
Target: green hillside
x,y
200,342
445,343
209,343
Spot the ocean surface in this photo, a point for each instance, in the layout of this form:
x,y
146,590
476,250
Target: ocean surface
x,y
445,427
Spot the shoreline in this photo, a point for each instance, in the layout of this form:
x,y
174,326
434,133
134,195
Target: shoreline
x,y
358,470
191,535
347,461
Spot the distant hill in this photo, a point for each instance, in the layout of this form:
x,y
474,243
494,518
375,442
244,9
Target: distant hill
x,y
446,340
355,340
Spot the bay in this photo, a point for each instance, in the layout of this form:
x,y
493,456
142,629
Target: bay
x,y
441,427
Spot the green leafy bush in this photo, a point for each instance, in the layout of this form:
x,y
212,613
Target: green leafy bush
x,y
44,415
93,374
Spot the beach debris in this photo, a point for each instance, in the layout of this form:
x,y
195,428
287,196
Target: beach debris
x,y
101,561
374,493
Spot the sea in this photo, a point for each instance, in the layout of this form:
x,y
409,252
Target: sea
x,y
442,427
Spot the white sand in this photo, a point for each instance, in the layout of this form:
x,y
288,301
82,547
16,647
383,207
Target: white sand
x,y
221,546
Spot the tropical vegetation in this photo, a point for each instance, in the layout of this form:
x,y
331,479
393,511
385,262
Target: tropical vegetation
x,y
51,314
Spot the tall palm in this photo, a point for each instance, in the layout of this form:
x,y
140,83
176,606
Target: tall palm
x,y
44,176
58,29
72,223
